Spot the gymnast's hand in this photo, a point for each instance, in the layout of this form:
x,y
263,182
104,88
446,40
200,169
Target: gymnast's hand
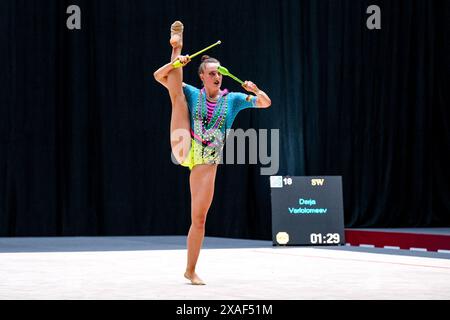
x,y
250,87
184,60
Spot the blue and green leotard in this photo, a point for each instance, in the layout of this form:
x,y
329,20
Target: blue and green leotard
x,y
210,122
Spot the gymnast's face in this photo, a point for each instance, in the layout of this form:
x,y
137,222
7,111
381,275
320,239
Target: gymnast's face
x,y
212,79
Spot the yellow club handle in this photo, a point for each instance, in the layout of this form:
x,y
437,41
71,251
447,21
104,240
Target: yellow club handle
x,y
177,64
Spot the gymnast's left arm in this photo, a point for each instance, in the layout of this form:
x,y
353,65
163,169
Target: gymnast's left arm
x,y
262,99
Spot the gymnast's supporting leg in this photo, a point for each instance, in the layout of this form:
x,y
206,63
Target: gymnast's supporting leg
x,y
202,181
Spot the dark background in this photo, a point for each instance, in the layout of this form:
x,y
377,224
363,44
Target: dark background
x,y
84,127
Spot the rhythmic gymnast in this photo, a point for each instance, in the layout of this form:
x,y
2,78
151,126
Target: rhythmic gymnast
x,y
200,118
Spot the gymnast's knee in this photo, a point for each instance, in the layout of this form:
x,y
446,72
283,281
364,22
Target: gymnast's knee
x,y
199,221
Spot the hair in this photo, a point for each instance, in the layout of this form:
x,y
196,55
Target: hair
x,y
206,59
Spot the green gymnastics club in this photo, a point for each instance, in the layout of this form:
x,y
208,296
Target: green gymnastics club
x,y
178,64
224,71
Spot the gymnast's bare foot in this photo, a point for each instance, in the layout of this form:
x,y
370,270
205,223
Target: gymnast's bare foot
x,y
176,34
194,278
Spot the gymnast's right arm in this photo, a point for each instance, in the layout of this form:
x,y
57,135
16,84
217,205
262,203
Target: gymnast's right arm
x,y
162,73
